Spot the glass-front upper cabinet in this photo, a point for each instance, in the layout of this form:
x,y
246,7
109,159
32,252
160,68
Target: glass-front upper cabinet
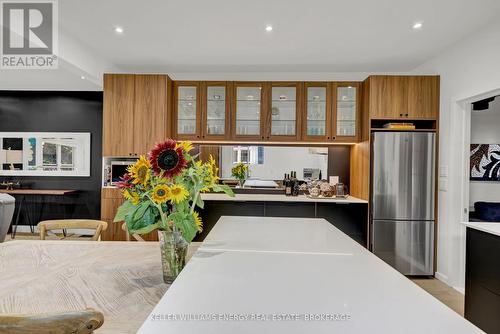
x,y
249,114
187,110
346,111
283,113
215,110
317,118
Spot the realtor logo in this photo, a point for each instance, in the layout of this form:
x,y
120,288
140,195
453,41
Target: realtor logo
x,y
29,34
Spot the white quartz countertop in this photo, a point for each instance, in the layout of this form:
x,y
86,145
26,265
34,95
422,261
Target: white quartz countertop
x,y
278,198
282,275
493,228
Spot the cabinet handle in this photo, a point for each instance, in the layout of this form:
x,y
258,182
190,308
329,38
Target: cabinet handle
x,y
333,138
400,115
406,115
327,137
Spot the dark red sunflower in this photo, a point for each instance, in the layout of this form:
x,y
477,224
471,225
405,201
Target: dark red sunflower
x,y
125,182
167,159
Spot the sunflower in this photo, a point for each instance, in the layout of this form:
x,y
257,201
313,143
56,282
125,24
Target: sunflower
x,y
185,145
140,171
161,194
214,171
167,158
178,193
132,196
197,221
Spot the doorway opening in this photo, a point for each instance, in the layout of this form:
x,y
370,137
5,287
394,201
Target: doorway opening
x,y
484,176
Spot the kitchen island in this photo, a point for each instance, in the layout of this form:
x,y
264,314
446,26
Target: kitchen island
x,y
482,275
289,275
349,214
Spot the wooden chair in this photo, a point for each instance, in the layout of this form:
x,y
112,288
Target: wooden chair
x,y
72,224
78,322
136,236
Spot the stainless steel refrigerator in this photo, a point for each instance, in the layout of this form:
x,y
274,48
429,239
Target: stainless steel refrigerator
x,y
403,179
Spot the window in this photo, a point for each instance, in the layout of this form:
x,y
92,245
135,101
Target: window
x,y
251,155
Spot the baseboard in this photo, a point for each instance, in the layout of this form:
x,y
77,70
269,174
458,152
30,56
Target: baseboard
x,y
443,278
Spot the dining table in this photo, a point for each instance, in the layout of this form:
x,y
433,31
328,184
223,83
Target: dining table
x,y
123,280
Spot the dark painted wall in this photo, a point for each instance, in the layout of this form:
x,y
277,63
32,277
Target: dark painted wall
x,y
36,111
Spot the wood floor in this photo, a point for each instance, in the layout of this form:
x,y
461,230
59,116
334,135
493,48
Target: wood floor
x,y
447,295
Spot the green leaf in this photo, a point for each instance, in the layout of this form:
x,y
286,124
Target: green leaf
x,y
146,229
185,223
223,188
199,202
124,209
141,209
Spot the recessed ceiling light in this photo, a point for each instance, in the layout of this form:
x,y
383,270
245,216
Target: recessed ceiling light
x,y
417,25
82,77
119,30
269,28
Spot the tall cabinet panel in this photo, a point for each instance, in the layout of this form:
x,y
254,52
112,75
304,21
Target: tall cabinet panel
x,y
118,115
150,111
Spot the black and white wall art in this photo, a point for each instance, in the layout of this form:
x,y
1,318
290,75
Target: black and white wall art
x,y
485,162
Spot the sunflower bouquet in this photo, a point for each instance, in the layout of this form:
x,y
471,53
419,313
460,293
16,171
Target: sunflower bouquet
x,y
240,172
163,190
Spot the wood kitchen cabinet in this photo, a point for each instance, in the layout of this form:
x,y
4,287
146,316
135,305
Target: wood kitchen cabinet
x,y
317,112
283,111
215,110
187,110
135,113
248,119
346,111
423,97
118,114
388,96
404,97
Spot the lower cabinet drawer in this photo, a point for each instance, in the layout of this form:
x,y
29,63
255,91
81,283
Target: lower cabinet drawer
x,y
482,307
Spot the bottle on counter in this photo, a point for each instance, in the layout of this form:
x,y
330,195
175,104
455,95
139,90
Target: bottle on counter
x,y
295,187
288,186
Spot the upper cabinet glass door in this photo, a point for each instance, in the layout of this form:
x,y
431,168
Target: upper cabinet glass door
x,y
283,114
317,116
346,111
216,111
248,112
187,114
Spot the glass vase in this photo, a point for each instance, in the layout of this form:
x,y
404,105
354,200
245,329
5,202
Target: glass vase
x,y
241,183
173,254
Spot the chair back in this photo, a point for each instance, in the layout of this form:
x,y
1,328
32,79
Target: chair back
x,y
136,236
72,224
78,322
7,206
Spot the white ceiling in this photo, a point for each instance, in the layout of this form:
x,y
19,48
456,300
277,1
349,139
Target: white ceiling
x,y
228,36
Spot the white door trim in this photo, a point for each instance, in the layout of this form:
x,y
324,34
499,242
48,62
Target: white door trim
x,y
461,113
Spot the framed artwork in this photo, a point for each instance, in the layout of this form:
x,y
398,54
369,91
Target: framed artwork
x,y
485,162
